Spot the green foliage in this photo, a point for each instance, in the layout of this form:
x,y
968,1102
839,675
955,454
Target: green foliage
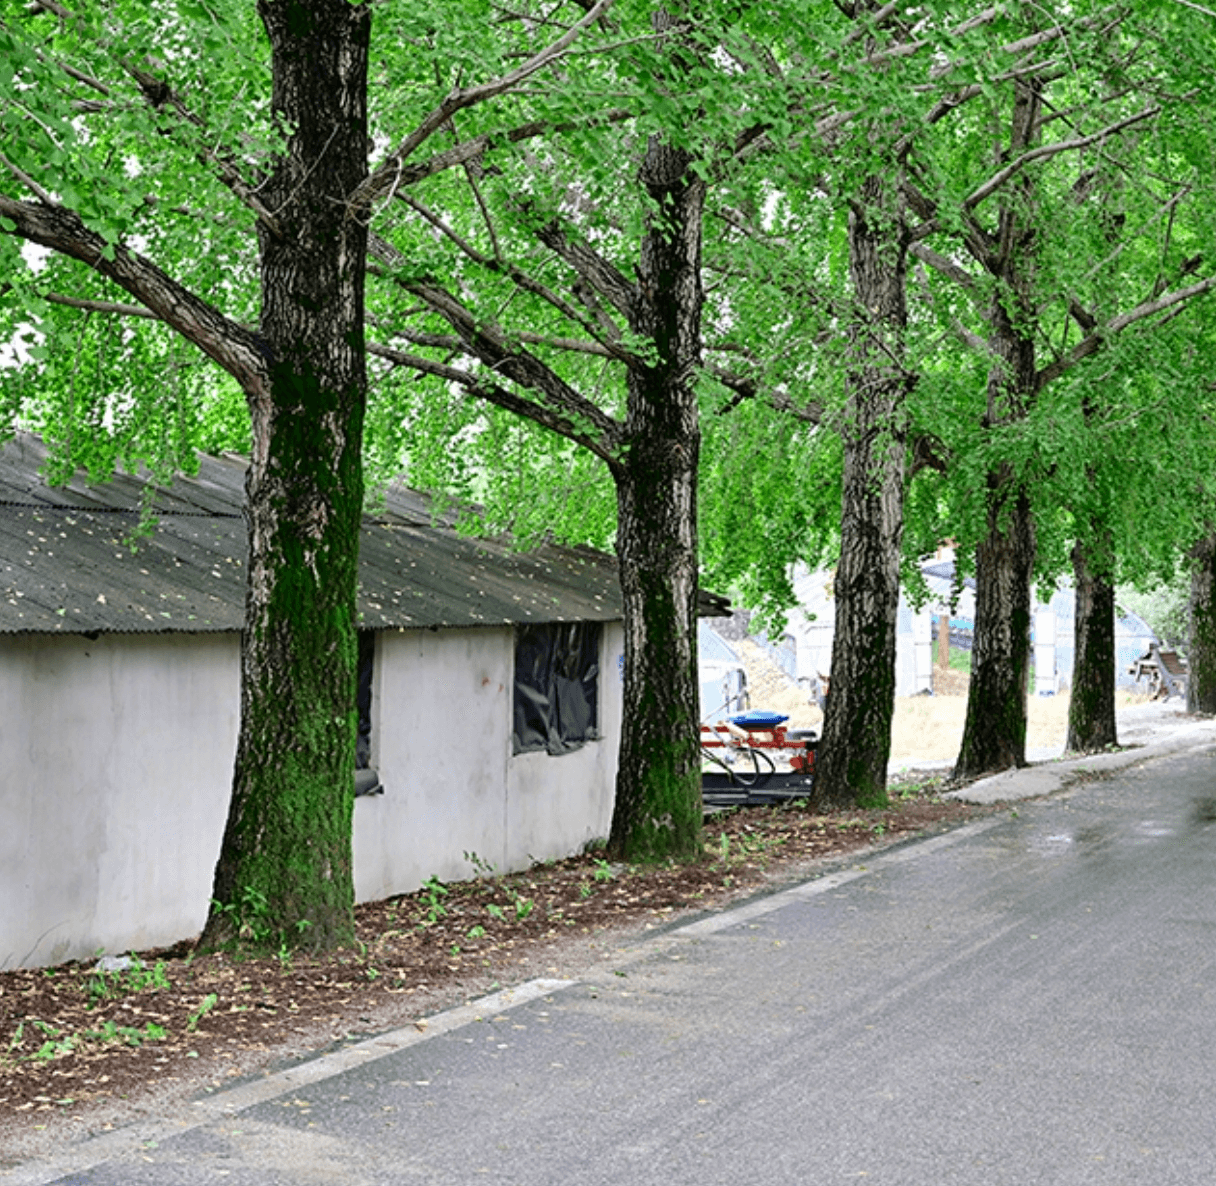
x,y
58,1043
104,985
251,921
1165,607
433,893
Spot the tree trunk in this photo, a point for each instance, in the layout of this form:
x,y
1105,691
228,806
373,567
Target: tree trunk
x,y
994,734
657,813
284,871
1091,706
851,767
1201,654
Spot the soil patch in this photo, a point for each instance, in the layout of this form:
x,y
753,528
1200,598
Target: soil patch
x,y
83,1051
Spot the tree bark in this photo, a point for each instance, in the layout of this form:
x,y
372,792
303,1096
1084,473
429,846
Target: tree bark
x,y
1201,655
1091,706
284,871
994,733
657,812
851,767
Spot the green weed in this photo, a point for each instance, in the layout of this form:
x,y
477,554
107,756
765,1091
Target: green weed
x,y
433,893
206,1005
101,985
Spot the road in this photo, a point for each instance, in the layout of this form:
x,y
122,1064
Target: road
x,y
1030,999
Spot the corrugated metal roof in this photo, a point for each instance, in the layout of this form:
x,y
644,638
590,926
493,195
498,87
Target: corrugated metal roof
x,y
67,566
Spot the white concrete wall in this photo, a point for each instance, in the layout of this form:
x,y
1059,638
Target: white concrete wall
x,y
441,742
114,783
117,765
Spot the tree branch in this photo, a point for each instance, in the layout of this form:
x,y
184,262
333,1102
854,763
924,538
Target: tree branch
x,y
943,264
928,451
382,180
1098,338
493,348
94,306
1047,150
592,267
607,335
29,183
545,414
235,348
747,388
451,342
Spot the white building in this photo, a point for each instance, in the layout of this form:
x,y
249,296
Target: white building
x,y
119,701
812,625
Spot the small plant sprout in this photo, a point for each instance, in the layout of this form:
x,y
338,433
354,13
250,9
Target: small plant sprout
x,y
136,976
205,1006
482,869
433,893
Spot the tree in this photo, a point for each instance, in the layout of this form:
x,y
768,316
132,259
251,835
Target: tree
x,y
1201,650
595,266
1091,706
112,131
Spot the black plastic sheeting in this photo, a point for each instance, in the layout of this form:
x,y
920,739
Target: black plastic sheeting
x,y
557,668
367,780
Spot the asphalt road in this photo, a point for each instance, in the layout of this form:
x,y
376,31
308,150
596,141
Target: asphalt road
x,y
1030,999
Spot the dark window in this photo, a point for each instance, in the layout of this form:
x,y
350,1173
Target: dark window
x,y
367,781
557,676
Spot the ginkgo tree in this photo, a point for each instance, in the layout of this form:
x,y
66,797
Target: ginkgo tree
x,y
566,287
216,168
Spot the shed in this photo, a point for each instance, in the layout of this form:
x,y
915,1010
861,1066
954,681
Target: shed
x,y
119,702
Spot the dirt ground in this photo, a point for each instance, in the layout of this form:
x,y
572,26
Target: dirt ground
x,y
926,729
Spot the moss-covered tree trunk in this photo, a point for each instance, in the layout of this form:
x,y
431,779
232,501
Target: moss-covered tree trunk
x,y
657,813
284,870
1201,653
1091,706
851,767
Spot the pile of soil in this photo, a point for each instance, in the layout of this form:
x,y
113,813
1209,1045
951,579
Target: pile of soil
x,y
83,1050
771,689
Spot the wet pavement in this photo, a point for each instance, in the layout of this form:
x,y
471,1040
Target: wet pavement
x,y
1028,999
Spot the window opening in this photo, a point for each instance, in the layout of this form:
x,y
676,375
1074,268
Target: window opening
x,y
556,704
367,780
